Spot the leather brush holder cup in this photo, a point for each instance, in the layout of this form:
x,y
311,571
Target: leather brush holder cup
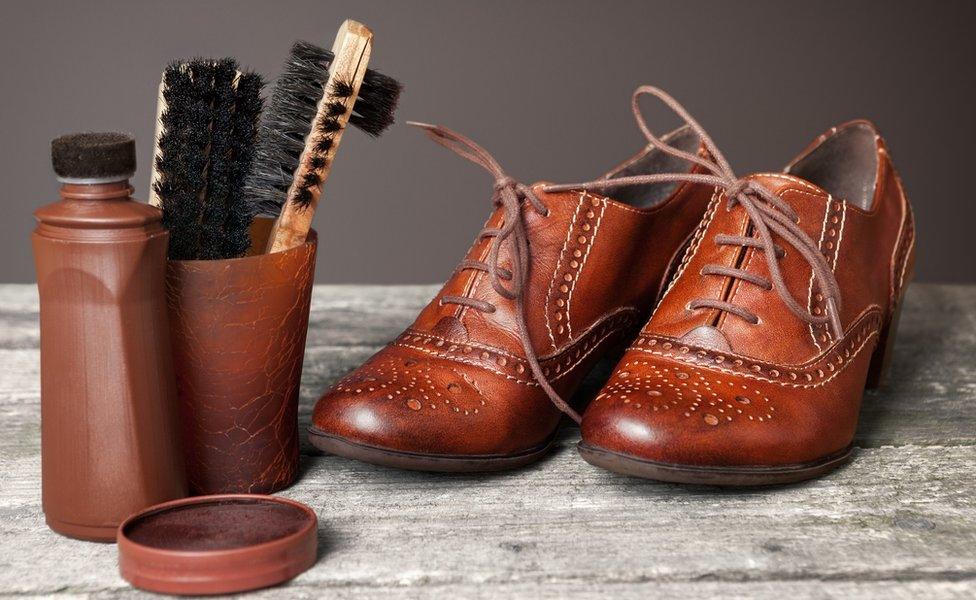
x,y
238,329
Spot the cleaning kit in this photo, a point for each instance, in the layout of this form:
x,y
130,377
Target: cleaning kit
x,y
173,332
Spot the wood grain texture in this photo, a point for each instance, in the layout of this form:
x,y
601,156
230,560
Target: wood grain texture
x,y
898,522
351,51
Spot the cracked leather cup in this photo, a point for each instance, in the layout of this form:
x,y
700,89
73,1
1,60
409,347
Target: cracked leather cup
x,y
456,391
238,332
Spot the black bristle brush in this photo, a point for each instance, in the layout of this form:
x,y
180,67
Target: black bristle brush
x,y
205,141
316,95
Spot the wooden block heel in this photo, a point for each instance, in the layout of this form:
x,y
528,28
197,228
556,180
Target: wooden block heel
x,y
881,358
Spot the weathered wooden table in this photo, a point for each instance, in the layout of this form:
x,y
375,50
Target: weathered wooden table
x,y
898,522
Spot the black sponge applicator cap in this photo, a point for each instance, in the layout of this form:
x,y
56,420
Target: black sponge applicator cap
x,y
94,156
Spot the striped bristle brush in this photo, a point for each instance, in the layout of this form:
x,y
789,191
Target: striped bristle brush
x,y
206,129
318,93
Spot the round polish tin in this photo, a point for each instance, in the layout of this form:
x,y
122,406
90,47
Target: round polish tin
x,y
217,544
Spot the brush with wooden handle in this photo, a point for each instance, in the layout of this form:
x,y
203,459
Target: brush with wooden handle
x,y
312,102
206,126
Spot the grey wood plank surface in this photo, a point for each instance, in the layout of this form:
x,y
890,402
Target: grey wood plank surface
x,y
898,522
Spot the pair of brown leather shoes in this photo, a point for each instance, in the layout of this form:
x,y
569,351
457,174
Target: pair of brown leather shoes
x,y
751,312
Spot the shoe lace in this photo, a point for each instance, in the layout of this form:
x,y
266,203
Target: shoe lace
x,y
509,195
768,214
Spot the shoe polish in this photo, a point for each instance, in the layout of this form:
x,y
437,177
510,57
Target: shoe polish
x,y
109,437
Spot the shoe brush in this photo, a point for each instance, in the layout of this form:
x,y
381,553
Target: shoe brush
x,y
206,127
318,93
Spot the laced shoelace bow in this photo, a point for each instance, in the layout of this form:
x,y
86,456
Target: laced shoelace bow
x,y
767,212
508,194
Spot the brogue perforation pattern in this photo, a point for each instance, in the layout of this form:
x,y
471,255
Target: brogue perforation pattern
x,y
579,240
514,367
688,391
411,382
863,333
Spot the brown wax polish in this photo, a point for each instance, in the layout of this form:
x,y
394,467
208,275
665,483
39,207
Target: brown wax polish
x,y
217,544
218,525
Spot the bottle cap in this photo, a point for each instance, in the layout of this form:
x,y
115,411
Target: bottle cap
x,y
91,158
217,544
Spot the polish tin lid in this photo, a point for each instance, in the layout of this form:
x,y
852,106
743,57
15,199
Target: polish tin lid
x,y
217,544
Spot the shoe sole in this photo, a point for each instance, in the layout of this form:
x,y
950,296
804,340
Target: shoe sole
x,y
723,476
436,463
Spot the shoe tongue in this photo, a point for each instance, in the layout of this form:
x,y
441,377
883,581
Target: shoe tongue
x,y
803,197
706,336
778,183
451,328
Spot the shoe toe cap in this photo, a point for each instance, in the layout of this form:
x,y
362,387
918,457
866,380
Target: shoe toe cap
x,y
685,416
424,405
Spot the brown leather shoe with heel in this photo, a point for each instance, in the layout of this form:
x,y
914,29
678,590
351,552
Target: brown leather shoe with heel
x,y
752,368
553,282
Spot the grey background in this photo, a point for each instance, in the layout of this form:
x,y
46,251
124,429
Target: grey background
x,y
545,86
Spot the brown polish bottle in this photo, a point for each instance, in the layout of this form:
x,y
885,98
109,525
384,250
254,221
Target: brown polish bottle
x,y
109,436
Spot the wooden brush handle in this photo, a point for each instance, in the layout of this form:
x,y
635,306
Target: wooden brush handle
x,y
154,198
352,48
